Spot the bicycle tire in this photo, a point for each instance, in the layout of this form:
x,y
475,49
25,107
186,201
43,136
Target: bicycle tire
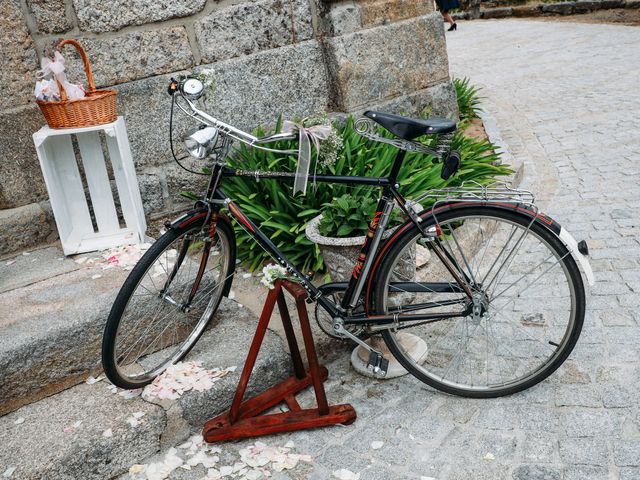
x,y
429,367
132,317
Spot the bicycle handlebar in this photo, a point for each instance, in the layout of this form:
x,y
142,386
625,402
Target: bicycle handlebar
x,y
230,130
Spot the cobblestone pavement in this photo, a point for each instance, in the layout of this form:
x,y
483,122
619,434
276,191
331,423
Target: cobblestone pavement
x,y
567,100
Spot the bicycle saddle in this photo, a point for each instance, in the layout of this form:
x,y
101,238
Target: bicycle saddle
x,y
410,128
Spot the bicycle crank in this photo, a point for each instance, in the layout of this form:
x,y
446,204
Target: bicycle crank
x,y
377,364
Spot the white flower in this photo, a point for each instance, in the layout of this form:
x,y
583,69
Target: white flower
x,y
272,273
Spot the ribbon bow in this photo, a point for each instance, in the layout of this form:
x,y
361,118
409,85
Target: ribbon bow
x,y
54,67
308,135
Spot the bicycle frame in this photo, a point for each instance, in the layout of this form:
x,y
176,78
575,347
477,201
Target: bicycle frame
x,y
215,199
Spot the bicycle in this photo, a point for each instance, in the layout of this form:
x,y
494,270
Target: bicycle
x,y
497,309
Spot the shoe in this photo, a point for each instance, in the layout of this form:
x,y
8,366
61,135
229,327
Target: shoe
x,y
452,27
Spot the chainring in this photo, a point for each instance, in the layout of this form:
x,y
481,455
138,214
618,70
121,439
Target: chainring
x,y
325,321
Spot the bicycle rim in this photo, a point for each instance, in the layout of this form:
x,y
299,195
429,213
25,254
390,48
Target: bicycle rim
x,y
528,299
160,322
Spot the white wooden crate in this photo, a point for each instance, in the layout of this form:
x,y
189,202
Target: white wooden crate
x,y
67,192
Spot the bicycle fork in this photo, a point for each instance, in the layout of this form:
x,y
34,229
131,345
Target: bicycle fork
x,y
184,249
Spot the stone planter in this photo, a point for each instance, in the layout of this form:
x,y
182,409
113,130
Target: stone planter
x,y
340,254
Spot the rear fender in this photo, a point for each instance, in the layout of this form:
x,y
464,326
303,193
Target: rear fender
x,y
535,215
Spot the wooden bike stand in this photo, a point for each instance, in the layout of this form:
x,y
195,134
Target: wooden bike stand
x,y
243,420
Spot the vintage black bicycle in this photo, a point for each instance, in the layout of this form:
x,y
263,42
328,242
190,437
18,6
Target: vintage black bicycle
x,y
495,308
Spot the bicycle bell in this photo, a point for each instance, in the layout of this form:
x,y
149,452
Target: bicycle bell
x,y
192,88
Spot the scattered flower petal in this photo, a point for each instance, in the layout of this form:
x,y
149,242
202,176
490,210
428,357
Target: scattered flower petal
x,y
68,429
137,468
226,470
8,472
10,262
377,445
344,474
128,394
19,420
138,414
214,474
183,377
253,474
107,433
489,456
77,424
91,380
26,253
96,276
246,275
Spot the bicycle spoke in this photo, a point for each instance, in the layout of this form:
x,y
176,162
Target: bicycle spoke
x,y
504,342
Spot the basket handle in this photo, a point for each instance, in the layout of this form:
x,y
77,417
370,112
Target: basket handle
x,y
87,68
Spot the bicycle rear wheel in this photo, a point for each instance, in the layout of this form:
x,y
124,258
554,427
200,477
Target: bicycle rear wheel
x,y
525,314
166,303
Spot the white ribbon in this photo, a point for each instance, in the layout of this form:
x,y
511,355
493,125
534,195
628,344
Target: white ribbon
x,y
55,68
309,135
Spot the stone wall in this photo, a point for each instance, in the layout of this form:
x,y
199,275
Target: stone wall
x,y
271,56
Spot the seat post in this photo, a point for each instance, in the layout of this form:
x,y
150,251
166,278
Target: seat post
x,y
395,169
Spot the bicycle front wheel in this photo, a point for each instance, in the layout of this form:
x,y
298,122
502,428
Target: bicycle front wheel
x,y
166,303
521,322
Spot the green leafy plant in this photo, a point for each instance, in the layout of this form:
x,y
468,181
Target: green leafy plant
x,y
468,99
283,216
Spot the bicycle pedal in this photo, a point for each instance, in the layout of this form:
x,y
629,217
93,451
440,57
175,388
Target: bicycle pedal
x,y
377,364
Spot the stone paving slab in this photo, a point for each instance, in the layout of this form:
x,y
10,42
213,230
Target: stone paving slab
x,y
52,317
44,441
31,267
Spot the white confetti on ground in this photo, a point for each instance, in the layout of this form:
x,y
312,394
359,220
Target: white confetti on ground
x,y
489,456
124,257
127,394
256,461
8,472
183,377
91,380
107,433
344,474
19,420
377,445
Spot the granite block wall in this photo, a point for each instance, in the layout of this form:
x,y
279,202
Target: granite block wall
x,y
270,56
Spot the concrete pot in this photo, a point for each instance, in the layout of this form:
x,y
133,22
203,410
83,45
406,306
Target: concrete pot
x,y
339,254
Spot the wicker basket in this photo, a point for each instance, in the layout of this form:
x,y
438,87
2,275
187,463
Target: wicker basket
x,y
96,108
